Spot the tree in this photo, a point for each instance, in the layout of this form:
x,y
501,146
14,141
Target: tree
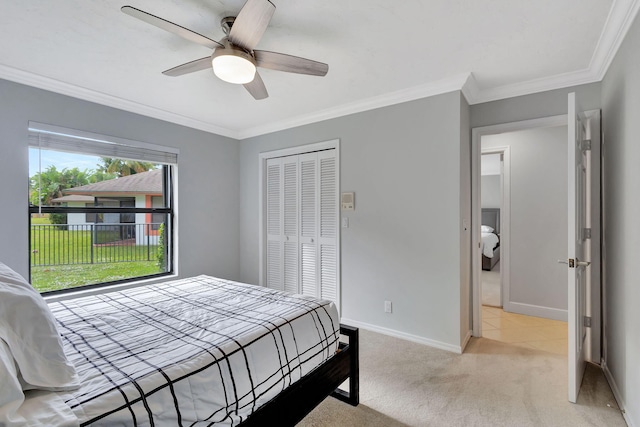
x,y
48,184
123,167
161,250
100,175
45,186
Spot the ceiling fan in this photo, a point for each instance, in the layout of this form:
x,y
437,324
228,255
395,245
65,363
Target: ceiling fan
x,y
234,59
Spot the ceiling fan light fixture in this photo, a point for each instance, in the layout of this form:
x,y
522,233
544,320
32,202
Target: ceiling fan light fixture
x,y
233,65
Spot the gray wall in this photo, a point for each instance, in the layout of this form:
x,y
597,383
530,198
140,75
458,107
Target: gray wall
x,y
403,163
538,209
490,193
534,106
207,175
620,112
466,299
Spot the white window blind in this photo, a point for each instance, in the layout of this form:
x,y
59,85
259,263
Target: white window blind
x,y
70,140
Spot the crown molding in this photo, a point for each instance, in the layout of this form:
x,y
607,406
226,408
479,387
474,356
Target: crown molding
x,y
470,89
619,20
449,84
544,84
621,16
57,86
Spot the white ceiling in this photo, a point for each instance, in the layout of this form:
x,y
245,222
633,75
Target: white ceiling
x,y
379,52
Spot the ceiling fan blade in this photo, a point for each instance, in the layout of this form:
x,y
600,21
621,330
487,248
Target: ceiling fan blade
x,y
289,63
257,88
189,67
171,27
251,22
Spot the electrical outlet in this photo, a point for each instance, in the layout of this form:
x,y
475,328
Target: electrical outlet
x,y
387,306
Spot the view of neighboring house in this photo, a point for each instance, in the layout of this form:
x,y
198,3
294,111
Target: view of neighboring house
x,y
141,190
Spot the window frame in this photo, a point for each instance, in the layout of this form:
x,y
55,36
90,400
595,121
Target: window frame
x,y
49,137
168,211
155,225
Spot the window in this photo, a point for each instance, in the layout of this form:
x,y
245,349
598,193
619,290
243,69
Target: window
x,y
100,209
156,218
92,217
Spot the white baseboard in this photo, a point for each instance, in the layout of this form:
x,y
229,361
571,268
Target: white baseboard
x,y
536,310
617,395
403,335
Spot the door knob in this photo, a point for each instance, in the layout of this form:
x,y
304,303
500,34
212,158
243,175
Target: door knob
x,y
570,262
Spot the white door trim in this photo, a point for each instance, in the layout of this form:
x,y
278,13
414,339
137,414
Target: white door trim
x,y
262,182
476,152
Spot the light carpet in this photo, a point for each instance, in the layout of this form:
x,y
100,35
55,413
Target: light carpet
x,y
492,384
490,286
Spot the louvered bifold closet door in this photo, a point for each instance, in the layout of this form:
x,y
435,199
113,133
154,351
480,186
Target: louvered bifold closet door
x,y
275,229
290,167
302,224
328,222
308,224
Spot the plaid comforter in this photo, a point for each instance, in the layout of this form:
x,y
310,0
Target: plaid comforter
x,y
197,351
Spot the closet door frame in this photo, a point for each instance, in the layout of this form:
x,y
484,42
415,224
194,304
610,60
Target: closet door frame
x,y
262,169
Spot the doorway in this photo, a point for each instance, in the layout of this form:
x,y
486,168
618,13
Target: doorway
x,y
497,139
582,211
532,311
491,205
530,264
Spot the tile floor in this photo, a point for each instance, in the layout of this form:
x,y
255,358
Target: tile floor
x,y
524,331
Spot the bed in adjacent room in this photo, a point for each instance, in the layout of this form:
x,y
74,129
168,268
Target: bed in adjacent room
x,y
196,351
490,237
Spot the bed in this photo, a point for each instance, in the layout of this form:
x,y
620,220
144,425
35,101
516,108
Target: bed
x,y
490,237
196,351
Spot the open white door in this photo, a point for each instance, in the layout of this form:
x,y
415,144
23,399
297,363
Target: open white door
x,y
578,259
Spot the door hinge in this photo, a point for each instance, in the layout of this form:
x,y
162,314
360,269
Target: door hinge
x,y
586,145
586,233
587,321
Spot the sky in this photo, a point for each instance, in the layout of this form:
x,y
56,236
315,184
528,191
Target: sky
x,y
61,160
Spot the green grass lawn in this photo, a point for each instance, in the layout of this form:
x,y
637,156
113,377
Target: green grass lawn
x,y
38,221
54,278
66,258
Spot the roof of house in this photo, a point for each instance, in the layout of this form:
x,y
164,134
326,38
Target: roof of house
x,y
81,198
140,183
74,198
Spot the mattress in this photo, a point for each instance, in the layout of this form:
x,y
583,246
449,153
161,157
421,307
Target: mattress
x,y
197,351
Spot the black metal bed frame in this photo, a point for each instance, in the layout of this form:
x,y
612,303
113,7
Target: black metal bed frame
x,y
297,400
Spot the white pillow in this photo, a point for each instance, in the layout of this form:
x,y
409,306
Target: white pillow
x,y
11,395
29,329
486,229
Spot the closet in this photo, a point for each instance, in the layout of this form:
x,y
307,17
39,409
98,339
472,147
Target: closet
x,y
301,207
